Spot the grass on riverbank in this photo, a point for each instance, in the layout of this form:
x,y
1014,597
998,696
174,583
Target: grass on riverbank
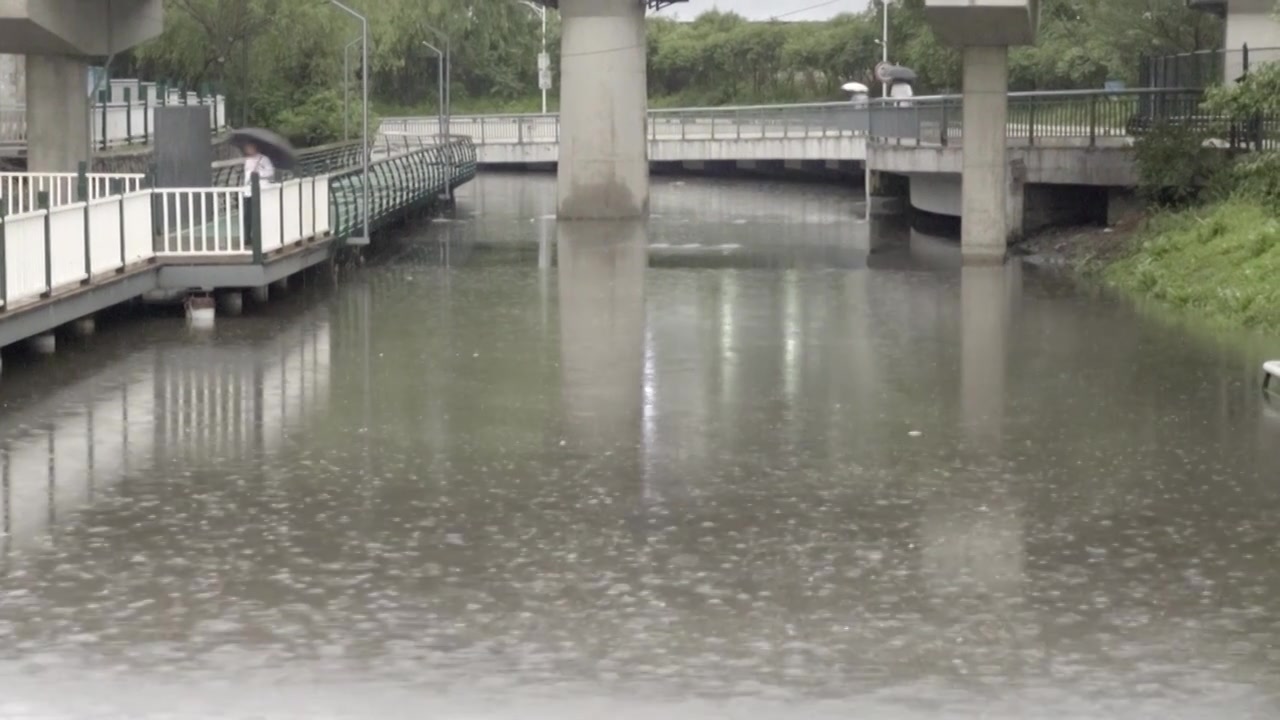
x,y
1220,262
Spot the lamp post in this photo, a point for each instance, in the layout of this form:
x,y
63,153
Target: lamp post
x,y
884,44
448,77
544,64
346,88
364,81
439,86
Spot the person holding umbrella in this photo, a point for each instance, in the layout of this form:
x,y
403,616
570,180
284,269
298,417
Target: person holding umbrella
x,y
264,152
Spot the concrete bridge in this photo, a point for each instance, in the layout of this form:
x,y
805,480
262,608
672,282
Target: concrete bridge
x,y
603,163
1065,149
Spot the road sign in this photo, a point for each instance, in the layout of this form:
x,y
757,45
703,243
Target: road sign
x,y
544,79
544,61
882,72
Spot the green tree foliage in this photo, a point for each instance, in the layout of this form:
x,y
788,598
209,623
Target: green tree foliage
x,y
280,61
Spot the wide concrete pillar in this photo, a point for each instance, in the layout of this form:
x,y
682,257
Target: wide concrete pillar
x,y
984,230
57,113
604,156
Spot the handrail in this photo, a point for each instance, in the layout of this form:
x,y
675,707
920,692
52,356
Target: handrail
x,y
311,161
416,178
1071,116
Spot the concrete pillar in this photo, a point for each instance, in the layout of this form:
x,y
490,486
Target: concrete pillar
x,y
260,294
46,344
603,171
57,113
84,327
1015,204
984,227
280,286
231,302
13,80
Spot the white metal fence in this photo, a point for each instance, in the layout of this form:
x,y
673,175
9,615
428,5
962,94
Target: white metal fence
x,y
47,250
127,117
23,192
722,123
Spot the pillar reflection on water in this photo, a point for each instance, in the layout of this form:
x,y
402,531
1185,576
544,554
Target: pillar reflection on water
x,y
601,280
972,528
156,411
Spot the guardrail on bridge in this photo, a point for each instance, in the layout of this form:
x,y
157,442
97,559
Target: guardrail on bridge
x,y
1073,117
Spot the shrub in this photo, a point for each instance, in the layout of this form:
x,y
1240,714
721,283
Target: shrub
x,y
1174,165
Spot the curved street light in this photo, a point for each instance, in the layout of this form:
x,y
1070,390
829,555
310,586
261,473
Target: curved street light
x,y
364,156
439,83
448,77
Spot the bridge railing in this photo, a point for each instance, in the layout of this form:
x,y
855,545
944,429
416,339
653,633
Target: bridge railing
x,y
409,177
1073,117
118,123
312,161
715,123
25,192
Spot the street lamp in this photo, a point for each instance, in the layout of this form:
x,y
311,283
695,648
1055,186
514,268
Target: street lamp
x,y
346,88
439,86
448,78
364,156
544,60
884,45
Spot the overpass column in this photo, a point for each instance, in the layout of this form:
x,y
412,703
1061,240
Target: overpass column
x,y
604,154
984,229
57,113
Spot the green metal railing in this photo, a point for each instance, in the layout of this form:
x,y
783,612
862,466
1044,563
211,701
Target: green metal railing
x,y
319,160
414,179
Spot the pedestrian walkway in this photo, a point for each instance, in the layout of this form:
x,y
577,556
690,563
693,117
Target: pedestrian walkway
x,y
73,245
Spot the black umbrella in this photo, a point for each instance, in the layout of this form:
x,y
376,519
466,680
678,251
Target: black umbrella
x,y
900,73
276,148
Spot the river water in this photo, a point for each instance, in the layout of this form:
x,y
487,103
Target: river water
x,y
720,466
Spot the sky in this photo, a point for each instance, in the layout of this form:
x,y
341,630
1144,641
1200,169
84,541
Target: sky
x,y
767,9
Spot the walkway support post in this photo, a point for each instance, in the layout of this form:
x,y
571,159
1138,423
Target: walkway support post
x,y
984,228
603,171
985,30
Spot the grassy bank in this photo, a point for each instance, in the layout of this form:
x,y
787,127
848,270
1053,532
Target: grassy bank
x,y
1219,262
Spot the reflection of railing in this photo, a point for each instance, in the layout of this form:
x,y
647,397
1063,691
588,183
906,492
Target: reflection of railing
x,y
153,408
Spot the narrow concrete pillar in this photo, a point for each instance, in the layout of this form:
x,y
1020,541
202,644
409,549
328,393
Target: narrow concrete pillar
x,y
280,286
84,327
1015,205
260,294
57,113
984,228
231,302
46,344
603,171
13,80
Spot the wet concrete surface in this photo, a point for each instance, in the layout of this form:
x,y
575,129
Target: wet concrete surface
x,y
715,466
